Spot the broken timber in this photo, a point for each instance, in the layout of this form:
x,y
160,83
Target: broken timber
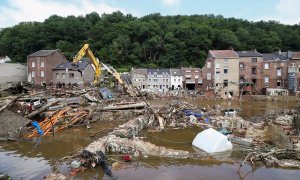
x,y
41,109
123,106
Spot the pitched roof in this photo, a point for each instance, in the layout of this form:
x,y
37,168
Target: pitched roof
x,y
248,54
175,72
223,53
158,71
139,71
273,57
43,53
69,65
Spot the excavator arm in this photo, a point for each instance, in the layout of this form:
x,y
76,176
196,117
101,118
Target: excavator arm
x,y
85,50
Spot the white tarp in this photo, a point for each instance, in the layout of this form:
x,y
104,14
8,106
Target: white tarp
x,y
211,141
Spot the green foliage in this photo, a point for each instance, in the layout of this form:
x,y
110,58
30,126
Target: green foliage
x,y
152,41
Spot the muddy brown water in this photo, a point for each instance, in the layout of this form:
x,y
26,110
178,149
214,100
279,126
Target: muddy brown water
x,y
34,160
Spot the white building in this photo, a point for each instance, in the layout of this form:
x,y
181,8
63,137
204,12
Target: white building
x,y
176,79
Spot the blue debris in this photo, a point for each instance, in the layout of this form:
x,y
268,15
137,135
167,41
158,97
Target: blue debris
x,y
37,126
106,93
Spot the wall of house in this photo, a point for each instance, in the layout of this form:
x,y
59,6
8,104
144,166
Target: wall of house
x,y
274,77
232,77
66,76
191,78
159,82
50,62
176,82
246,72
139,80
88,75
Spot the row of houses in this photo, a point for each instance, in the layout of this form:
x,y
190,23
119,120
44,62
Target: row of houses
x,y
51,66
228,73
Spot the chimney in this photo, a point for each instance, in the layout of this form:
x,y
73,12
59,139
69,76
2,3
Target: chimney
x,y
279,52
289,54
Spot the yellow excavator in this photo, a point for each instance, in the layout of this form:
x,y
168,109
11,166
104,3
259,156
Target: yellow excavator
x,y
85,50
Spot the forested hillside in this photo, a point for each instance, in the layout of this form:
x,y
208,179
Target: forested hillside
x,y
149,41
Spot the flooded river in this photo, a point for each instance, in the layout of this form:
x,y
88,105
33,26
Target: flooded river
x,y
34,160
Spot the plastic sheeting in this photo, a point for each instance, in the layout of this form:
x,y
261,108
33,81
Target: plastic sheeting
x,y
211,141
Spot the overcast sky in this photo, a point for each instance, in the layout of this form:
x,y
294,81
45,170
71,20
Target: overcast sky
x,y
286,11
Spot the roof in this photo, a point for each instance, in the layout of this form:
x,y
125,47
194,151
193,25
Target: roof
x,y
223,54
69,65
248,54
139,71
175,72
190,68
273,57
158,71
43,53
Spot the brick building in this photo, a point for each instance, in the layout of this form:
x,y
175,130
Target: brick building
x,y
40,65
191,78
275,71
250,72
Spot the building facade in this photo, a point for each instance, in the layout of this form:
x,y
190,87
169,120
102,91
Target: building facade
x,y
176,79
192,79
139,78
81,73
275,71
159,79
250,72
40,65
222,73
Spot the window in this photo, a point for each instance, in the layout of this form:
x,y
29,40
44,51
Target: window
x,y
42,73
254,60
225,70
57,75
242,66
225,83
266,79
33,74
278,83
32,64
254,71
64,75
218,75
225,60
167,80
266,65
42,64
217,65
208,76
149,80
293,65
278,71
71,75
209,65
242,79
196,76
